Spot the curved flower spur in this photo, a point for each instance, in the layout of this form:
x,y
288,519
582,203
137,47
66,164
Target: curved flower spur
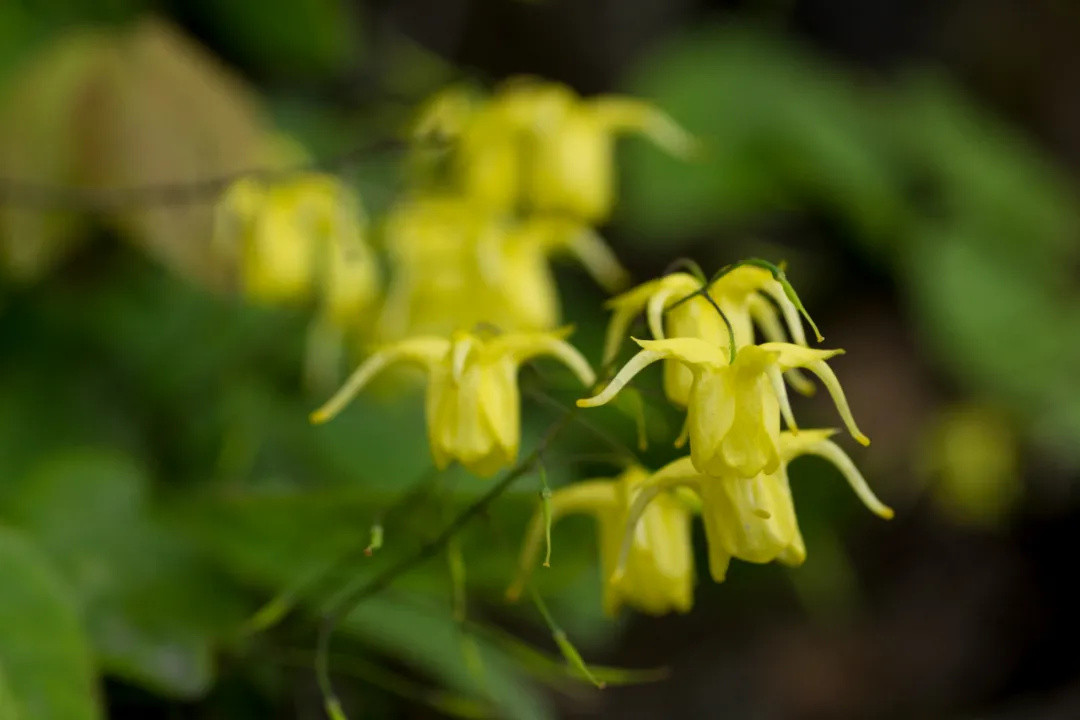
x,y
734,408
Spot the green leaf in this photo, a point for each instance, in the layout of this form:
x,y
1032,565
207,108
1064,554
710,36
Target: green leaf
x,y
153,608
432,643
287,38
46,671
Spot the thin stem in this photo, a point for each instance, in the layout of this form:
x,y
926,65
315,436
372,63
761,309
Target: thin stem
x,y
349,600
600,434
687,264
569,652
727,323
56,197
777,271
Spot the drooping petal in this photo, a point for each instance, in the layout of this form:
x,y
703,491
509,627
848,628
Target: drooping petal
x,y
421,350
461,427
460,347
500,403
709,418
659,570
753,519
750,446
680,473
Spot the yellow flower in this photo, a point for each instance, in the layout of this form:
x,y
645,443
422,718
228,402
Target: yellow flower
x,y
734,409
299,240
752,519
659,568
570,145
459,264
443,253
538,146
743,294
473,406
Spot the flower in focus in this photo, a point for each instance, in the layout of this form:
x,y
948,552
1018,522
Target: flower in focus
x,y
473,406
749,518
674,311
539,147
299,240
734,409
458,264
659,568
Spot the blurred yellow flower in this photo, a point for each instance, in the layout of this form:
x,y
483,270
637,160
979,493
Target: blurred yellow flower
x,y
674,311
659,568
473,406
734,409
299,240
458,264
538,147
971,456
752,519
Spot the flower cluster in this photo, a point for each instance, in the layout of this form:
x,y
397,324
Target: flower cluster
x,y
499,185
735,476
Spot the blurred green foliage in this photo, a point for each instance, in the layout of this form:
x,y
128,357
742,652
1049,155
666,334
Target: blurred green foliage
x,y
158,478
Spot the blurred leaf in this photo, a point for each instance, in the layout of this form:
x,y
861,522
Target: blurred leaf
x,y
288,38
433,644
781,129
153,609
8,709
1004,330
45,667
985,176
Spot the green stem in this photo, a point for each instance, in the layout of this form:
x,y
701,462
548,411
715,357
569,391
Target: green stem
x,y
569,652
349,600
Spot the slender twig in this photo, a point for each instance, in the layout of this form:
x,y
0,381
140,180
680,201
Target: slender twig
x,y
599,433
44,196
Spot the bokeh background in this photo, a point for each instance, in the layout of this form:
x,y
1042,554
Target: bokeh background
x,y
913,162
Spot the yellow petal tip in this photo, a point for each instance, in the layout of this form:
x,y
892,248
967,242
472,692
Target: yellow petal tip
x,y
862,439
318,417
886,513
